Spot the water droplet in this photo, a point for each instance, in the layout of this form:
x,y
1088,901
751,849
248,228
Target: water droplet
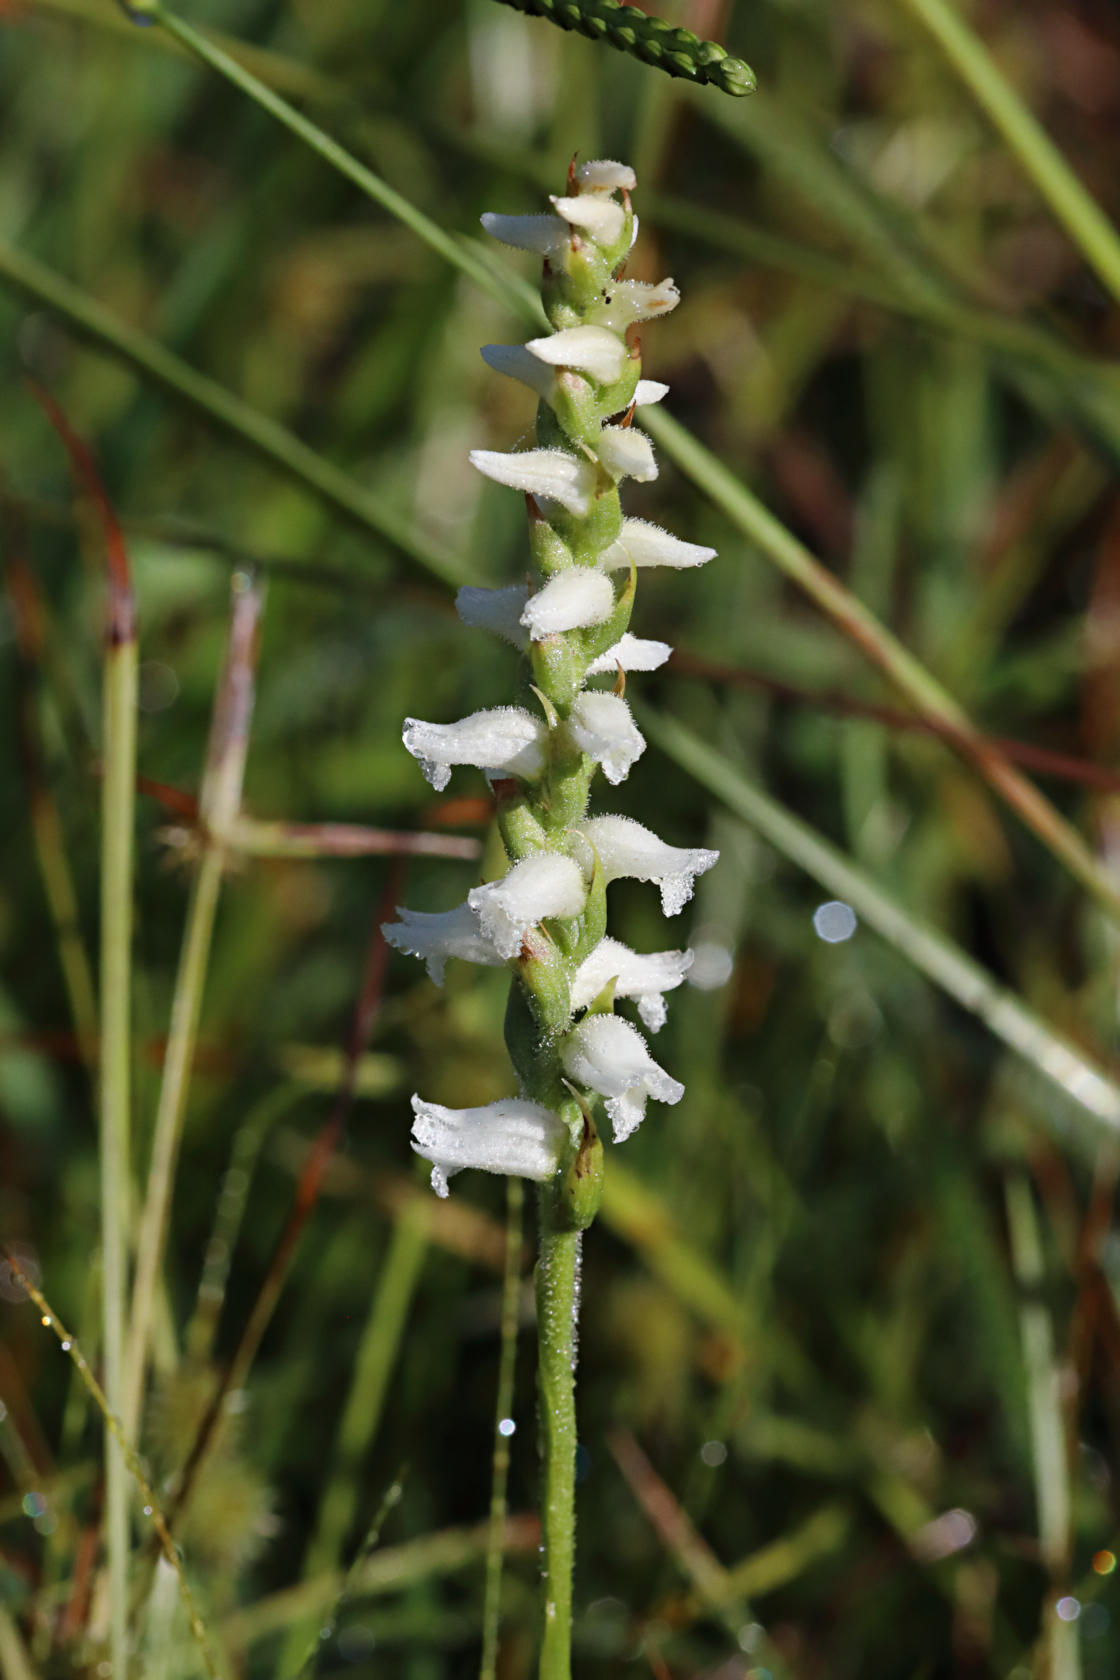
x,y
506,1427
65,1347
834,921
147,1510
1068,1608
713,1453
45,1321
33,1504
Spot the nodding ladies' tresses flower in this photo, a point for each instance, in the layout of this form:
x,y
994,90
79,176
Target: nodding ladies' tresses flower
x,y
518,361
507,740
567,479
630,653
601,218
515,1136
571,620
602,727
626,453
628,301
549,236
604,175
625,848
540,887
645,978
610,1056
439,935
591,350
641,544
571,600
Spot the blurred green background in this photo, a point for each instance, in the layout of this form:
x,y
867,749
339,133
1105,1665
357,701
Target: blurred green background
x,y
850,1313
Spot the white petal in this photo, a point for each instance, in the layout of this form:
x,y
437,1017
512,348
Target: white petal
x,y
630,653
498,610
600,217
627,301
626,453
636,976
648,545
569,601
507,740
647,391
625,848
601,175
542,472
517,361
544,885
591,350
514,1136
610,1056
602,727
547,235
435,937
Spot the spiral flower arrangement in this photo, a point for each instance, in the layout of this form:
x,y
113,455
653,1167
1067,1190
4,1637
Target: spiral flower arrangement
x,y
576,1060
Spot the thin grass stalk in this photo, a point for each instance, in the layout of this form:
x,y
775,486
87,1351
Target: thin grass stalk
x,y
361,1417
1075,1073
15,1661
129,1457
503,1409
329,149
1049,1443
1080,215
887,653
219,803
119,714
46,824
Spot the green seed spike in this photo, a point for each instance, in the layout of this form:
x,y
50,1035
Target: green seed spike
x,y
676,51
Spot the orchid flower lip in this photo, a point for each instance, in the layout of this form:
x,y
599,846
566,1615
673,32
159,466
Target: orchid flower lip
x,y
513,1136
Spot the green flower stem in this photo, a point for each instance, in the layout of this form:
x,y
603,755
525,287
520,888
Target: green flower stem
x,y
1082,218
117,812
557,1292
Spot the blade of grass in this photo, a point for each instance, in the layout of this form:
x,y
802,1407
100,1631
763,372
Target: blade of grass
x,y
222,408
453,251
15,1662
219,803
119,714
1080,215
131,1462
46,824
887,653
1049,1447
1070,1069
361,1415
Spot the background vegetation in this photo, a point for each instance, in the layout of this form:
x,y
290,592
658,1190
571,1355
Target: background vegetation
x,y
850,1344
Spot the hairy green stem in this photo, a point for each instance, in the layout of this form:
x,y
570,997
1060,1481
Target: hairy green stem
x,y
557,1293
